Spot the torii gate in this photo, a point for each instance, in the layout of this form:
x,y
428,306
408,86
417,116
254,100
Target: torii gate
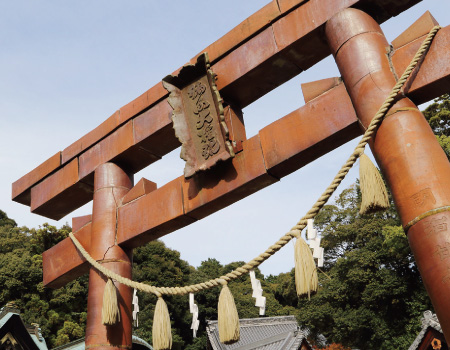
x,y
276,43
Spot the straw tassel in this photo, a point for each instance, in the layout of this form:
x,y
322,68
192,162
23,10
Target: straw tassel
x,y
373,191
110,308
161,332
228,318
306,280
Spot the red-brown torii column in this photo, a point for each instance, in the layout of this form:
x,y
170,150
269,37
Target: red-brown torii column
x,y
405,147
111,184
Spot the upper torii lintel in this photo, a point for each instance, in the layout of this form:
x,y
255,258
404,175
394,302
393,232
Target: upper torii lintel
x,y
140,132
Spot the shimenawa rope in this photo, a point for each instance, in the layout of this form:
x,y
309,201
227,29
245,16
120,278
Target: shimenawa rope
x,y
297,229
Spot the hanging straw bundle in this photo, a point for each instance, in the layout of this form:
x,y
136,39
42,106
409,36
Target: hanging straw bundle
x,y
110,308
228,318
306,280
161,332
373,191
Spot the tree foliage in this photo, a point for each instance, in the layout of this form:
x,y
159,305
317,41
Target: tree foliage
x,y
438,116
60,313
158,265
371,296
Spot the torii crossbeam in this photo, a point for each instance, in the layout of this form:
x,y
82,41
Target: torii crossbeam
x,y
276,43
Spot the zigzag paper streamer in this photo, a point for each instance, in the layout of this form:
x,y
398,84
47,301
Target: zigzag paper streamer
x,y
135,308
257,293
194,311
314,243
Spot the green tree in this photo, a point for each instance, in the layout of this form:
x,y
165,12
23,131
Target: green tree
x,y
438,116
444,141
372,295
158,265
5,220
245,303
69,331
21,280
241,289
283,288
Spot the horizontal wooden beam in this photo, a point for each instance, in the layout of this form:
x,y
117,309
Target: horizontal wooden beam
x,y
21,189
323,124
432,78
269,48
279,149
157,212
63,262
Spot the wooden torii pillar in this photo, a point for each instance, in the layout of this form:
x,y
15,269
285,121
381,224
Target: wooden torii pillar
x,y
271,46
111,184
414,164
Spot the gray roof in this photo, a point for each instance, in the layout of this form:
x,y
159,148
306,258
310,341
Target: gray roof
x,y
429,320
37,337
11,316
268,333
9,312
80,344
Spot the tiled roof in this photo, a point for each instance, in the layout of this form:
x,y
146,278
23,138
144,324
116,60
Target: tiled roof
x,y
137,340
10,317
429,320
7,313
268,333
80,344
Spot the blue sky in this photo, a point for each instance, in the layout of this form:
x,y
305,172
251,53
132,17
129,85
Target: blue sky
x,y
67,66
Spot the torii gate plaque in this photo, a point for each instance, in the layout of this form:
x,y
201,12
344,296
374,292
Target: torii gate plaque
x,y
294,35
198,117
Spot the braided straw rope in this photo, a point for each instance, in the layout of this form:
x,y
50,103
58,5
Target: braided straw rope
x,y
297,229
